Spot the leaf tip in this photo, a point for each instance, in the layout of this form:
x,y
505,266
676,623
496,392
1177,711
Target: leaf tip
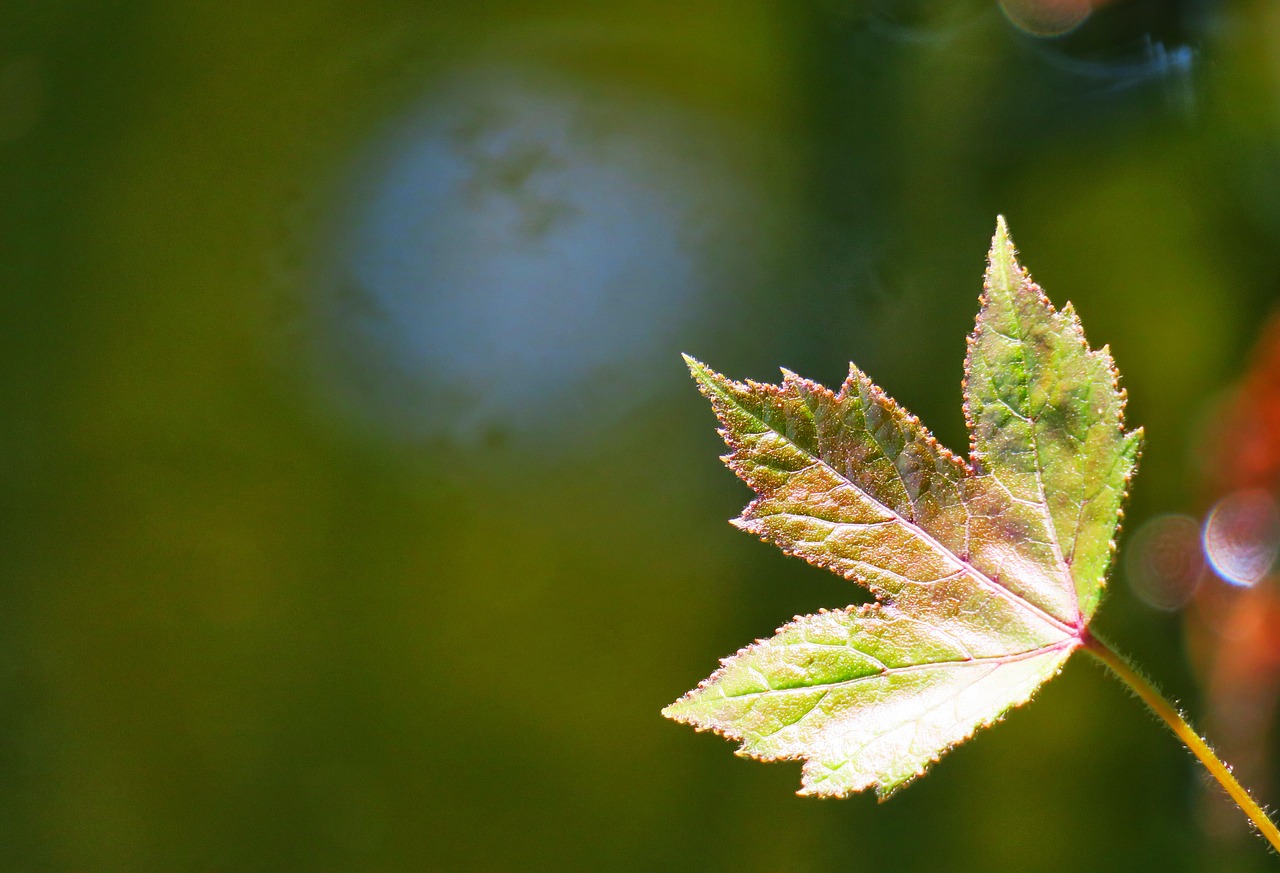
x,y
706,377
1003,255
680,710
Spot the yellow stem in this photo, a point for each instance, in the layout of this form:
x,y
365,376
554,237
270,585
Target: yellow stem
x,y
1170,715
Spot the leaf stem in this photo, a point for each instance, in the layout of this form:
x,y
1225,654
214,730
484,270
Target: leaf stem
x,y
1168,713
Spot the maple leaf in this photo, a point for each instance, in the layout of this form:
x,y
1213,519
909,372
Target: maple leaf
x,y
986,573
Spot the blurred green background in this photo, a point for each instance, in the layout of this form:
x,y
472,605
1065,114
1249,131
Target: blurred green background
x,y
359,512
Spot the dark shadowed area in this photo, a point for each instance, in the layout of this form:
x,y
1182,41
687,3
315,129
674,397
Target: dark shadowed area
x,y
359,512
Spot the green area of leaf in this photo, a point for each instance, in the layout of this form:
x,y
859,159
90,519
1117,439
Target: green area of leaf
x,y
986,573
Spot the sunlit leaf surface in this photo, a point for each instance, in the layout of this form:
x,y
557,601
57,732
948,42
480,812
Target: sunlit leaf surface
x,y
986,573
